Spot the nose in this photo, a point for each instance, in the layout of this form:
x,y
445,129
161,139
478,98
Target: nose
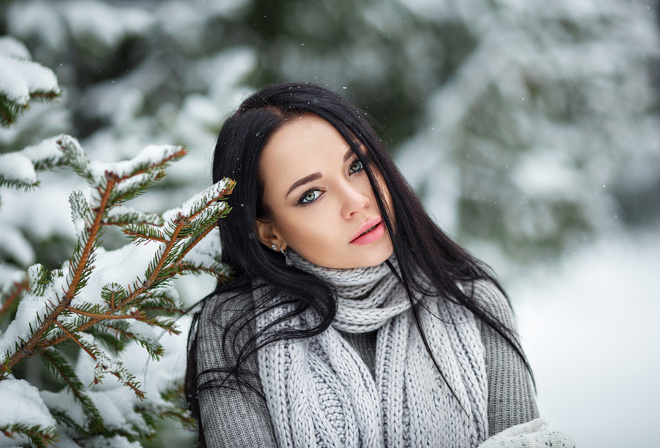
x,y
353,200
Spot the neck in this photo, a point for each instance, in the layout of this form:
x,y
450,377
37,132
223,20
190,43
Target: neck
x,y
366,297
355,283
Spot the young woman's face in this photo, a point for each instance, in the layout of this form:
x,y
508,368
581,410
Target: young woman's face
x,y
321,202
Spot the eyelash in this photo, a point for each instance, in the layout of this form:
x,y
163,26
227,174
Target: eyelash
x,y
355,168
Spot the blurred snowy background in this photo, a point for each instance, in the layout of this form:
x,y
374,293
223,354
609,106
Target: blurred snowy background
x,y
531,129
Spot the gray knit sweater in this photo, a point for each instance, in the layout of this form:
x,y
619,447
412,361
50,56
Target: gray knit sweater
x,y
239,418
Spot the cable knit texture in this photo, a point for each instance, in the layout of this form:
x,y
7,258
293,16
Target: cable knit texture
x,y
321,393
234,417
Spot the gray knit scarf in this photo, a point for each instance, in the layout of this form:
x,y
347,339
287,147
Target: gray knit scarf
x,y
320,393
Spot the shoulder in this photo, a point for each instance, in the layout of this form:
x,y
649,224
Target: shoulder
x,y
222,315
493,300
510,390
221,310
223,320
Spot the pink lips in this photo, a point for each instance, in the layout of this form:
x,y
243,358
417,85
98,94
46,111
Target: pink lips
x,y
370,231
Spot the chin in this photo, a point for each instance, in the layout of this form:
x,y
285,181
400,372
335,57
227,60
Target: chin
x,y
375,258
364,257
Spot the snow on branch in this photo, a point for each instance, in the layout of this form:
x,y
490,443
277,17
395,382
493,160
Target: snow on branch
x,y
103,301
22,80
27,414
18,169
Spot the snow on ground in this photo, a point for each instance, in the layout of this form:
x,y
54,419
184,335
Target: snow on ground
x,y
590,327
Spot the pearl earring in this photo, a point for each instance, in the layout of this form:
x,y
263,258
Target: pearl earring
x,y
274,247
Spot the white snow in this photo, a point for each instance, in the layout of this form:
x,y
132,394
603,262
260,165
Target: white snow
x,y
15,166
546,174
13,48
104,23
127,185
590,329
116,401
26,210
37,18
81,214
222,73
47,149
198,199
8,276
43,120
207,250
16,442
66,442
117,406
64,401
144,332
120,266
13,244
20,76
120,211
26,405
576,105
30,309
151,155
159,375
113,442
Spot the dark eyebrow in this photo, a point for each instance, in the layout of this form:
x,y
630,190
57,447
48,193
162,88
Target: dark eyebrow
x,y
348,154
303,181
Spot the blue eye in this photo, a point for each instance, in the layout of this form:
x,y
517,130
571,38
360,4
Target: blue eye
x,y
309,196
356,167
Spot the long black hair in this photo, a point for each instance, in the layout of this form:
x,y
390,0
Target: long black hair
x,y
420,246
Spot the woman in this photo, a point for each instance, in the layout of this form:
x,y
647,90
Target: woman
x,y
352,319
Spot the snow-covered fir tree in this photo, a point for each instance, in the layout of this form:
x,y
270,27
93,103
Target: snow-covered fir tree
x,y
106,304
549,130
115,308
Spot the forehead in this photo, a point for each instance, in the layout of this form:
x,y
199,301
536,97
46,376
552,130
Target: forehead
x,y
305,132
304,145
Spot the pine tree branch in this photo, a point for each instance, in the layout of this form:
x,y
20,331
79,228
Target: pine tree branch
x,y
40,436
106,316
197,269
118,330
130,232
75,339
193,244
36,342
57,364
167,264
168,310
176,155
94,319
180,222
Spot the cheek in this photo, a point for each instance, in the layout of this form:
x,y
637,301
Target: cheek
x,y
292,226
310,230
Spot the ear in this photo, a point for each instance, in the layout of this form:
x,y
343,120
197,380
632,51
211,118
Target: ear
x,y
269,235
